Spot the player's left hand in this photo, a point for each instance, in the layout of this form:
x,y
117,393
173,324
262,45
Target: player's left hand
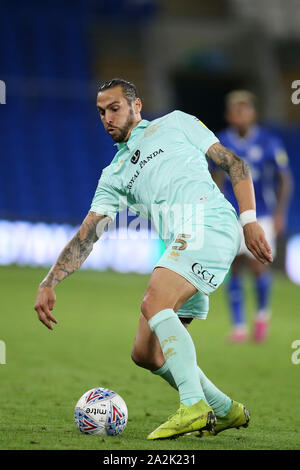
x,y
256,243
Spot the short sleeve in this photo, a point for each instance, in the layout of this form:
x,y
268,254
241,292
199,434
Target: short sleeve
x,y
197,133
107,200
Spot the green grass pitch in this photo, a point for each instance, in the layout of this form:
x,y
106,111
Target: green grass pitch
x,y
47,371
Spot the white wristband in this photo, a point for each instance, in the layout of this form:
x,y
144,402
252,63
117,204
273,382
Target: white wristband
x,y
247,217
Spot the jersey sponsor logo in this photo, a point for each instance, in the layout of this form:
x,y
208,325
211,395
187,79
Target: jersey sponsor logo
x,y
131,182
142,163
150,157
135,157
204,274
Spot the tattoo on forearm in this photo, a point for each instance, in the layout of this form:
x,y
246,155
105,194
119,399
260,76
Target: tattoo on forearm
x,y
75,252
235,166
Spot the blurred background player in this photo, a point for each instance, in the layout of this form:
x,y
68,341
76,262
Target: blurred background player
x,y
268,161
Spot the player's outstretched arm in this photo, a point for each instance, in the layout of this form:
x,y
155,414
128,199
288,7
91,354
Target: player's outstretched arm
x,y
69,261
241,180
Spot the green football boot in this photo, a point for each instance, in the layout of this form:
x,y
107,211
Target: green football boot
x,y
237,416
187,419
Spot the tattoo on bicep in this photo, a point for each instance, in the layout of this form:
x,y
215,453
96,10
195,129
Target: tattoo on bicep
x,y
235,166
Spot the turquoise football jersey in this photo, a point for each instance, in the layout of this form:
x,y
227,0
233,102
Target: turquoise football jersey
x,y
161,170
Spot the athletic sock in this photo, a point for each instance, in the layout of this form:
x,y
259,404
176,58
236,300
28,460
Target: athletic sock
x,y
235,296
263,285
165,373
180,355
219,402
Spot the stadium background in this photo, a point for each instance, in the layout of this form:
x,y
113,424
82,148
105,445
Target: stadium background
x,y
53,55
185,55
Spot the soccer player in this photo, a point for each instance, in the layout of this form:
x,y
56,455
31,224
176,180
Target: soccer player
x,y
159,170
264,153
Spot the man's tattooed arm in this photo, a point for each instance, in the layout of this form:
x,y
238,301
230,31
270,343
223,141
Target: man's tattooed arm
x,y
70,259
235,166
239,174
77,250
241,180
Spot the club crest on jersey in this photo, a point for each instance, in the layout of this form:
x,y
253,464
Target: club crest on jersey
x,y
135,157
255,153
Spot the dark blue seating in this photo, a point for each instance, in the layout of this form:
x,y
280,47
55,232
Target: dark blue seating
x,y
52,144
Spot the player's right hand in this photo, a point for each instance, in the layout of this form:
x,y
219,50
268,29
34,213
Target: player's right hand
x,y
45,301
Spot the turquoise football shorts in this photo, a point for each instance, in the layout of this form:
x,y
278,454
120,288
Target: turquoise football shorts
x,y
202,253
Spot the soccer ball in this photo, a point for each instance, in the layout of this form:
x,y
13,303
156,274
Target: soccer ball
x,y
101,411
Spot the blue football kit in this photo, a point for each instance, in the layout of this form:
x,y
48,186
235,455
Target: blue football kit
x,y
264,153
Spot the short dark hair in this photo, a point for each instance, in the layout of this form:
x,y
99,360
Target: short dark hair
x,y
128,88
